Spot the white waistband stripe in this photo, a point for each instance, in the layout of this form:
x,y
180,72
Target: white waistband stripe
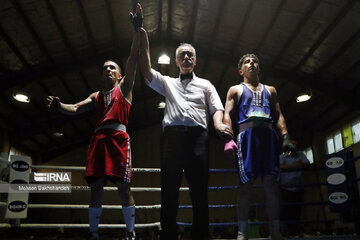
x,y
115,126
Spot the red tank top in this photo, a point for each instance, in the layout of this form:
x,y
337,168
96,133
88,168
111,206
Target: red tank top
x,y
118,111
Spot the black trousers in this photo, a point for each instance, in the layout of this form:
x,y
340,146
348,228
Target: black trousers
x,y
291,212
184,148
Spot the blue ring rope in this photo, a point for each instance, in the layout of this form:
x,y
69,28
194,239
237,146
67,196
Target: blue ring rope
x,y
230,224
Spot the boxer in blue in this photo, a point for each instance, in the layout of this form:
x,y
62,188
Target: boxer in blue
x,y
257,149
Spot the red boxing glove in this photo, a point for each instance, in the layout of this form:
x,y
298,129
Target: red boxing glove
x,y
230,147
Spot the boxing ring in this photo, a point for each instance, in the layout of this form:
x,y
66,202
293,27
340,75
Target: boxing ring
x,y
156,207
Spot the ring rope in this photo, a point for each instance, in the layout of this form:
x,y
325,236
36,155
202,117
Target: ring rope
x,y
144,225
76,225
133,189
229,224
4,161
158,206
82,206
158,170
82,168
142,170
211,188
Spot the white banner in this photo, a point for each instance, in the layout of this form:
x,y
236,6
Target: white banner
x,y
19,174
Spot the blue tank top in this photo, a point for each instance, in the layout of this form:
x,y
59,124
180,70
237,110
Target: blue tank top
x,y
254,105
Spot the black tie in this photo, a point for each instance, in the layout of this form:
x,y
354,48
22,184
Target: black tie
x,y
186,76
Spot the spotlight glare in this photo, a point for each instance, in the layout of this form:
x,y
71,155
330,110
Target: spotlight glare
x,y
21,98
161,105
303,98
58,134
164,59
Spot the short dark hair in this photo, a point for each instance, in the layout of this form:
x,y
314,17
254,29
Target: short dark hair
x,y
252,55
115,61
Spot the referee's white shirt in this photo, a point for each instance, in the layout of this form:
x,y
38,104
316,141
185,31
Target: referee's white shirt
x,y
189,102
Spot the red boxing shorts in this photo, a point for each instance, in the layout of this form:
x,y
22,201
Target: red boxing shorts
x,y
109,155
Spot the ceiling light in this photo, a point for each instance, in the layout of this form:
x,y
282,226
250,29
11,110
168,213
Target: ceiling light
x,y
303,97
161,105
21,97
58,134
164,59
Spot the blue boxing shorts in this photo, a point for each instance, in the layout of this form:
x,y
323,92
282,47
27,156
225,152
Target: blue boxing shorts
x,y
258,153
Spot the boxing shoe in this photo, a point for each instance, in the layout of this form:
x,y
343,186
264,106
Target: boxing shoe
x,y
94,218
241,236
130,235
275,230
94,236
277,236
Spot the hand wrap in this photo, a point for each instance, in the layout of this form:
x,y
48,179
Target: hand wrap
x,y
137,20
55,104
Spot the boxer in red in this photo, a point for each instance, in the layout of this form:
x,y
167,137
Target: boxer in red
x,y
109,154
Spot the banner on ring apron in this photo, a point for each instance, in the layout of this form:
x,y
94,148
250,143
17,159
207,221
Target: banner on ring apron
x,y
19,173
337,181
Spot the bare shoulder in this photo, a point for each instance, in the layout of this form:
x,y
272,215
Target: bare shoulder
x,y
121,82
236,89
271,89
235,92
93,96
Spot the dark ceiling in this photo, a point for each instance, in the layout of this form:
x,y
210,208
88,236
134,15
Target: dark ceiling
x,y
56,47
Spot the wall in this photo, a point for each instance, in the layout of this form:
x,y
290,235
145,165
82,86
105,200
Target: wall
x,y
4,170
319,149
